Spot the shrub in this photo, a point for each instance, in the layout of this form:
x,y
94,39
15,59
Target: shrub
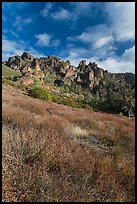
x,y
87,107
57,99
120,114
23,87
11,78
66,89
39,92
72,102
7,82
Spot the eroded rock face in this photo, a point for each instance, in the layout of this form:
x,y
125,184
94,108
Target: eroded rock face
x,y
67,64
26,56
36,69
70,71
16,63
82,65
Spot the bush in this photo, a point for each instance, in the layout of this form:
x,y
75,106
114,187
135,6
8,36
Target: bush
x,y
23,87
39,92
120,114
11,78
7,82
87,107
71,102
57,99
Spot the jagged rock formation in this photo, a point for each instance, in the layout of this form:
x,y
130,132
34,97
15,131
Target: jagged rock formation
x,y
55,70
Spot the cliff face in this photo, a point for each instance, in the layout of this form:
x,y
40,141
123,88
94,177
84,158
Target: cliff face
x,y
59,71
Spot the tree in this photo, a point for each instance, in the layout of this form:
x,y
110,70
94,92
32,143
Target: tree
x,y
129,105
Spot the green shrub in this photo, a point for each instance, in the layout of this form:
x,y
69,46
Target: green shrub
x,y
71,102
23,87
39,92
120,114
57,99
11,78
87,107
61,89
7,82
37,82
66,89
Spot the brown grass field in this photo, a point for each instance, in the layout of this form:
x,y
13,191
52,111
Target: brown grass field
x,y
55,153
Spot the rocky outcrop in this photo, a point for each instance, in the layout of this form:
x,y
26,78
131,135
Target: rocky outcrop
x,y
16,63
70,71
37,69
27,57
82,65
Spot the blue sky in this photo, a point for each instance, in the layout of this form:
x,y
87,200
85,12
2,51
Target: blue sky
x,y
93,31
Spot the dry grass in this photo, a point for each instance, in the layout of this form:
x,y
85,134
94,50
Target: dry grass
x,y
57,153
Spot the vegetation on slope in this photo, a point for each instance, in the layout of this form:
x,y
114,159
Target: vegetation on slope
x,y
9,73
91,85
56,153
113,97
39,92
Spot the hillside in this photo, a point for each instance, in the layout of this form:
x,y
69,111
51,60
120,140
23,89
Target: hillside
x,y
9,73
55,153
89,85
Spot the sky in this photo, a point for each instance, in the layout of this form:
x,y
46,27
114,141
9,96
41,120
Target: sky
x,y
101,32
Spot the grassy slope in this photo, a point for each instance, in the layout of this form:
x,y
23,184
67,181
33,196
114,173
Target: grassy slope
x,y
56,153
8,72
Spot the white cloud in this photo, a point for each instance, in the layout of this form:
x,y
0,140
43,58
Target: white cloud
x,y
75,55
75,60
103,41
27,20
46,40
18,5
98,39
5,31
14,34
98,35
55,42
70,45
129,54
9,45
82,8
12,48
17,21
20,22
4,17
62,14
122,19
43,39
44,12
78,10
125,63
48,7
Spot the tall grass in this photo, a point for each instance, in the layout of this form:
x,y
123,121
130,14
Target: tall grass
x,y
48,155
